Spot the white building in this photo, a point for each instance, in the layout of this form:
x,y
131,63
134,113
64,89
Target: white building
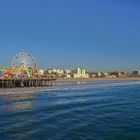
x,y
56,71
80,73
66,71
99,74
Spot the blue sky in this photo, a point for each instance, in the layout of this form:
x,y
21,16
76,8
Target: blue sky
x,y
99,35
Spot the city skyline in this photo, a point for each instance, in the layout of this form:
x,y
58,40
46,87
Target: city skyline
x,y
95,35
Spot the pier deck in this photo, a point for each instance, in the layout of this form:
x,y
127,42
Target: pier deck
x,y
18,83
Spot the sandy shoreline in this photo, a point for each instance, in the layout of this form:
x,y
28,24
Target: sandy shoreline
x,y
96,79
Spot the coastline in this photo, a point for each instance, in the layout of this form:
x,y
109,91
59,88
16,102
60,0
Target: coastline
x,y
61,80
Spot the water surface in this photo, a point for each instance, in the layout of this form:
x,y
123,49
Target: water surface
x,y
72,111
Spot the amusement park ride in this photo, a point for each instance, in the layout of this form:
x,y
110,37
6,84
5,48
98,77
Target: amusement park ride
x,y
23,66
23,73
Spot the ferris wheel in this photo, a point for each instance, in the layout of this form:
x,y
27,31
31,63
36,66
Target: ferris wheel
x,y
23,63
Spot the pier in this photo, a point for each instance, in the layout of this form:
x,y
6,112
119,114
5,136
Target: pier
x,y
21,83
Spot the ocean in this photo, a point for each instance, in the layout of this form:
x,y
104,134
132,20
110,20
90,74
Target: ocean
x,y
103,110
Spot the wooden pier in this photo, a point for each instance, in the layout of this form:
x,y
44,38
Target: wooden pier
x,y
21,83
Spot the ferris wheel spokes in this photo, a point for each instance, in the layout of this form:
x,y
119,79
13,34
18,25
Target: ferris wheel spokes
x,y
23,64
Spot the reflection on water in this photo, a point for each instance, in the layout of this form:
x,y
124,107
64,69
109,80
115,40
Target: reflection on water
x,y
19,102
79,83
21,96
17,107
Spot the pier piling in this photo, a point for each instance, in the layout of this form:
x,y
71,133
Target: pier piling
x,y
21,83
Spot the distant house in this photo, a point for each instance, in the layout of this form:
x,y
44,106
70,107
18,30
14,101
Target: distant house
x,y
93,75
124,74
99,74
67,73
120,74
